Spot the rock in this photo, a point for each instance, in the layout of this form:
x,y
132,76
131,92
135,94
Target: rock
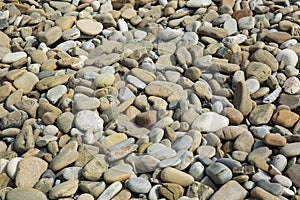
x,y
13,57
65,22
172,175
56,93
291,85
162,89
219,173
139,185
291,149
258,157
67,155
160,151
230,190
171,191
111,191
285,118
246,23
52,81
244,142
260,193
288,56
261,114
25,194
242,100
11,167
87,120
94,169
259,70
5,40
51,36
24,140
293,173
14,119
197,171
104,80
89,27
146,119
29,171
217,33
235,116
277,37
38,56
199,190
64,189
118,173
274,140
253,85
265,57
83,102
210,122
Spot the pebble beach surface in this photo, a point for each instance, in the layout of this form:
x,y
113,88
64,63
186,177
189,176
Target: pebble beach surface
x,y
149,99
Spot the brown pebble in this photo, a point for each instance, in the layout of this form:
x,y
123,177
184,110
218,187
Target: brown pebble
x,y
274,140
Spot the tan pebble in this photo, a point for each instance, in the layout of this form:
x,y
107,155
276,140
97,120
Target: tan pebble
x,y
260,193
171,191
122,195
65,22
49,118
285,118
176,176
274,140
235,116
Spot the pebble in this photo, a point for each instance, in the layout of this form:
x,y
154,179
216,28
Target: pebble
x,y
230,190
210,122
25,193
13,57
173,175
139,185
88,120
291,149
89,27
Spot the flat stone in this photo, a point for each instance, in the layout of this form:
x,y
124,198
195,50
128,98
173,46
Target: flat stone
x,y
210,122
176,176
199,190
29,171
89,27
13,119
104,80
67,155
88,120
64,189
94,169
244,142
265,57
171,190
5,40
83,102
51,36
292,85
285,118
52,81
55,93
274,140
261,114
277,37
260,193
111,191
242,100
217,33
118,173
11,167
162,89
259,70
38,56
231,190
65,22
25,194
160,151
258,157
219,173
246,23
139,185
288,56
235,116
291,149
293,173
24,140
13,57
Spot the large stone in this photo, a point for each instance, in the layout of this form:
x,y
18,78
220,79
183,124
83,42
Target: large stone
x,y
25,194
210,122
231,190
242,100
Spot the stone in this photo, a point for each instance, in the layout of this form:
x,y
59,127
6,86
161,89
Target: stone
x,y
261,114
199,190
291,149
265,57
52,81
219,173
258,157
288,56
160,151
65,22
5,40
285,118
242,100
210,122
24,140
293,173
139,185
197,171
235,116
5,91
274,140
118,173
260,193
259,70
277,37
291,85
111,191
88,120
67,155
11,167
172,175
13,119
29,171
26,82
244,142
253,85
95,168
171,191
217,33
231,190
162,89
104,80
71,34
64,189
89,27
146,119
55,93
25,194
83,102
38,56
246,23
51,36
13,57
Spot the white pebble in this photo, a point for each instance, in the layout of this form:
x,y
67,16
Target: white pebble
x,y
288,56
253,85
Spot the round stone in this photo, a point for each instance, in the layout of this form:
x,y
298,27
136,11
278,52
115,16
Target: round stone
x,y
87,120
139,185
89,27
